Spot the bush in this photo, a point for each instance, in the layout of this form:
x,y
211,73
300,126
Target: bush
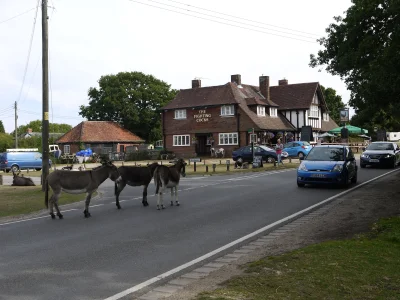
x,y
137,155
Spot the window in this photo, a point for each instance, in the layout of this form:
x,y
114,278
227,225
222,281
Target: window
x,y
228,138
180,114
67,149
326,117
227,110
314,111
181,140
273,112
261,110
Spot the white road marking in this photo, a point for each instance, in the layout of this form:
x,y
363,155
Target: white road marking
x,y
31,219
242,239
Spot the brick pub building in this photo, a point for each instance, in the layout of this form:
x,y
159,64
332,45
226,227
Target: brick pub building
x,y
224,116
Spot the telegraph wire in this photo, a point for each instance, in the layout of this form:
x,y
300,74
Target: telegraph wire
x,y
237,22
25,12
213,11
29,51
215,21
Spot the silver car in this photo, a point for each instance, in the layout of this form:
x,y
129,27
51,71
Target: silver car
x,y
381,154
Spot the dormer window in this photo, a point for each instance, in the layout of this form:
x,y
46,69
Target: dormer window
x,y
326,117
273,112
227,110
314,111
180,114
261,110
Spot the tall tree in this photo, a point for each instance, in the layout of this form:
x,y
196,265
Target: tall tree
x,y
334,103
6,141
36,126
363,48
2,130
132,99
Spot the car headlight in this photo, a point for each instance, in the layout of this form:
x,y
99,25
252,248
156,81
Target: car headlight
x,y
365,155
388,155
303,167
337,168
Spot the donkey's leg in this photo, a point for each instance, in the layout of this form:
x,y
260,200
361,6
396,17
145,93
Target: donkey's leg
x,y
87,202
172,196
51,206
159,199
176,195
55,199
119,187
144,199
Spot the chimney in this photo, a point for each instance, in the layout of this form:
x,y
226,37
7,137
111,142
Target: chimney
x,y
283,81
264,86
29,130
236,79
196,83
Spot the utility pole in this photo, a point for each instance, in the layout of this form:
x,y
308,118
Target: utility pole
x,y
45,88
16,118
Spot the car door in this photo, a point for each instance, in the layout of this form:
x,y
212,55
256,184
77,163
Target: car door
x,y
289,149
247,154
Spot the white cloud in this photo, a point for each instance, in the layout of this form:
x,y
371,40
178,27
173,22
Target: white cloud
x,y
91,38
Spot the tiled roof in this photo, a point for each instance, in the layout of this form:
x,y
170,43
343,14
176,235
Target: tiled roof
x,y
326,126
99,132
294,96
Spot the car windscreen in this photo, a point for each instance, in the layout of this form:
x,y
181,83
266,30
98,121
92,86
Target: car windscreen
x,y
326,154
380,146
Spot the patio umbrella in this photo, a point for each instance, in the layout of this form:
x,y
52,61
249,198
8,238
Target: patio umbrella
x,y
351,128
326,134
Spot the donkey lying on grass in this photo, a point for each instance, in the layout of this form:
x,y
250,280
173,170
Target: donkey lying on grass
x,y
168,177
77,183
134,176
21,180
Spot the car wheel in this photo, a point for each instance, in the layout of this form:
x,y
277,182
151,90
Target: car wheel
x,y
14,168
354,179
300,184
38,169
269,159
362,166
300,155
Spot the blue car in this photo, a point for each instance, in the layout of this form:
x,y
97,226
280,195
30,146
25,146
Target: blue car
x,y
328,164
245,154
297,149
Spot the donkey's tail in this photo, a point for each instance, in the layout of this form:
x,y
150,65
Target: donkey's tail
x,y
157,180
46,191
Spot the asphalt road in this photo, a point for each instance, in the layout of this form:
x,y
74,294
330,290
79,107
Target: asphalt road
x,y
95,258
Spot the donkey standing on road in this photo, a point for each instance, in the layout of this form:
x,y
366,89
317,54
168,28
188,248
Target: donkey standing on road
x,y
77,183
134,176
168,177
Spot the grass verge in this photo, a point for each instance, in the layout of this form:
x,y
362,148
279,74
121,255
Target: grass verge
x,y
366,267
28,199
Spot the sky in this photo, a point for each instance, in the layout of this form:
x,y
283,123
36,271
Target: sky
x,y
210,40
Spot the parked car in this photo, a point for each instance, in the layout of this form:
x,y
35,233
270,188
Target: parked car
x,y
21,159
244,154
328,164
297,149
381,154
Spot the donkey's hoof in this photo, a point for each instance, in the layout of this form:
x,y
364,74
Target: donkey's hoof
x,y
158,208
53,216
177,204
162,206
118,206
172,203
60,216
145,203
87,214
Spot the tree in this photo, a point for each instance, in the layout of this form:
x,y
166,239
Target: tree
x,y
36,126
6,141
2,130
334,103
132,99
363,49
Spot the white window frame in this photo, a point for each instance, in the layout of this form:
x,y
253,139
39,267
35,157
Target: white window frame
x,y
314,111
181,140
326,117
273,112
261,110
228,138
227,110
67,149
180,114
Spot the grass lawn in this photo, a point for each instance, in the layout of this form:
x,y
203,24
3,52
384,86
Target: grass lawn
x,y
28,199
366,267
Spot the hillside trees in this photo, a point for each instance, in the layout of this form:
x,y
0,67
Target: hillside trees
x,y
132,99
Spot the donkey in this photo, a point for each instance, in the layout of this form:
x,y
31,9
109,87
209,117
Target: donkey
x,y
218,152
77,183
21,180
134,176
168,177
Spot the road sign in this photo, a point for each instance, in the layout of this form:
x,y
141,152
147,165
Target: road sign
x,y
250,130
196,159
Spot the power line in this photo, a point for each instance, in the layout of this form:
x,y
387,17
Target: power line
x,y
229,20
317,35
215,21
29,51
25,12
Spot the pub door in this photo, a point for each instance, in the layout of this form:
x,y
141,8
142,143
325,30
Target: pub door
x,y
201,146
